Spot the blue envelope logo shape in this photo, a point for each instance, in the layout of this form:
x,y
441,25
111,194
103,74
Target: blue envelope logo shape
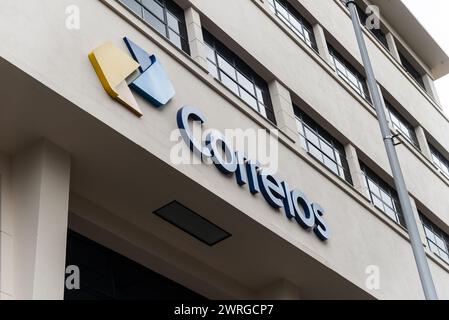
x,y
153,83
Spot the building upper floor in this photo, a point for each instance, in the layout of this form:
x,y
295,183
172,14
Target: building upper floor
x,y
292,66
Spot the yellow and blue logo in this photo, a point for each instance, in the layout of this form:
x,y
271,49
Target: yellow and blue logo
x,y
114,68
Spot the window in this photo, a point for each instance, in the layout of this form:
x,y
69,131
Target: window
x,y
382,195
238,77
438,240
411,70
349,74
378,33
163,15
322,146
285,11
402,125
440,161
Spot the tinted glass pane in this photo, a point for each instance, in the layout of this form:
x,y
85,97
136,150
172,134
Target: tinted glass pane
x,y
439,160
312,137
412,71
155,22
155,8
226,67
228,82
134,6
402,125
210,53
383,196
175,38
292,18
165,16
349,74
249,99
321,145
245,83
239,77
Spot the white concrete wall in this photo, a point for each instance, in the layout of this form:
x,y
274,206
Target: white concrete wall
x,y
361,236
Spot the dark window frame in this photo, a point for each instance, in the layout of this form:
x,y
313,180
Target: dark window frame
x,y
412,71
432,232
170,12
379,34
307,126
361,87
440,161
222,62
392,209
402,125
279,6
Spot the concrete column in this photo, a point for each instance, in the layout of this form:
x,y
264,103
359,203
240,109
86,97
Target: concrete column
x,y
283,110
321,42
423,144
195,35
357,176
430,88
418,220
280,290
392,46
6,232
40,185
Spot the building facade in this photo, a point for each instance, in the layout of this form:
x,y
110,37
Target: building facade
x,y
87,182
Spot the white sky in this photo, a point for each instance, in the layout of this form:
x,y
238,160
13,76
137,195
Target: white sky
x,y
433,15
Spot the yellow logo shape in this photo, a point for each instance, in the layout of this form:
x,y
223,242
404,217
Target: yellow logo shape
x,y
113,67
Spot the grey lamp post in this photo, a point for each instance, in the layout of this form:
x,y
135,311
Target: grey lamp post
x,y
409,217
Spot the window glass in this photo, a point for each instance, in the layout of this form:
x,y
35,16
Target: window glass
x,y
411,70
349,74
439,160
134,6
238,76
163,15
293,19
402,125
322,146
437,239
226,67
382,195
155,8
173,23
228,82
155,22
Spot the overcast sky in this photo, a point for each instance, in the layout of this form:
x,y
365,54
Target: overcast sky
x,y
433,15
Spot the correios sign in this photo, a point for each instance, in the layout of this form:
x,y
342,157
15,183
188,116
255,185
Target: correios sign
x,y
147,77
277,192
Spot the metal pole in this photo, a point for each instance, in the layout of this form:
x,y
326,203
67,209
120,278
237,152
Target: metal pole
x,y
409,217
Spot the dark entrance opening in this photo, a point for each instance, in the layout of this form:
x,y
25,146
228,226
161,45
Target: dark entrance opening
x,y
105,274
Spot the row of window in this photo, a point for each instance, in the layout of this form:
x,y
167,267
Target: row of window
x,y
168,19
380,35
326,149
